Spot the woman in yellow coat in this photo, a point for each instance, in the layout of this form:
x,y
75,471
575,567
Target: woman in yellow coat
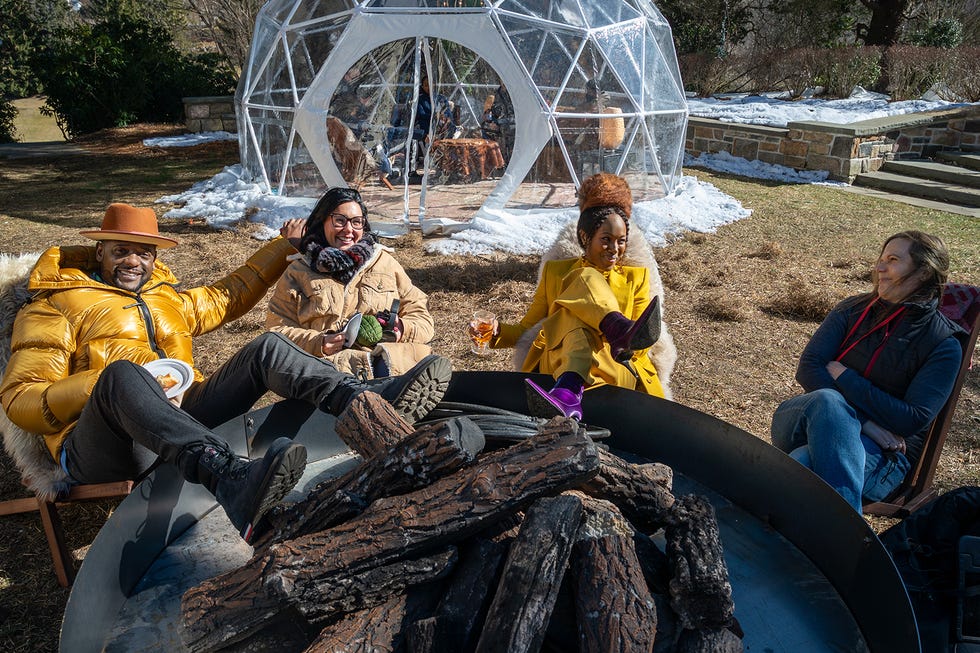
x,y
596,315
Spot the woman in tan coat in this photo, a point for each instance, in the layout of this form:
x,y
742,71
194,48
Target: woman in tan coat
x,y
594,317
341,271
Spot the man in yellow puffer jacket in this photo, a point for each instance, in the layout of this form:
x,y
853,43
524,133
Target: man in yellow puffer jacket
x,y
98,314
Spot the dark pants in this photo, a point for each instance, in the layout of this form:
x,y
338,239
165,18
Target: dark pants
x,y
128,420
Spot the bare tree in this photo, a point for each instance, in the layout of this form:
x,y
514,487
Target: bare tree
x,y
228,24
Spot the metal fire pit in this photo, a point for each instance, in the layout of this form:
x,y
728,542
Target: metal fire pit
x,y
807,573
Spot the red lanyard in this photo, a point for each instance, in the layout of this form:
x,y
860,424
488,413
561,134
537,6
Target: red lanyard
x,y
886,324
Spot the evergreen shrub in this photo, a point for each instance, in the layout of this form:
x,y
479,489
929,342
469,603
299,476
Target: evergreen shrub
x,y
124,69
8,133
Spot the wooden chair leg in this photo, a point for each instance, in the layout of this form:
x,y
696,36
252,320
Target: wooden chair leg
x,y
64,565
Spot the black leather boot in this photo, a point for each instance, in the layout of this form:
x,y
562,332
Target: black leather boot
x,y
413,394
247,489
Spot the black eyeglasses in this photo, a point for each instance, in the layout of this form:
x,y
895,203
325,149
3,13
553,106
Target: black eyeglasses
x,y
340,220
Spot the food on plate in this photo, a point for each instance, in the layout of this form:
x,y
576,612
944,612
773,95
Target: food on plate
x,y
167,381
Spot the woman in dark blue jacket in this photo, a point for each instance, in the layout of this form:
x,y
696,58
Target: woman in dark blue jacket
x,y
876,372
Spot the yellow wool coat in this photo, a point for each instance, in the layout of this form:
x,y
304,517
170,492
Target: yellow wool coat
x,y
550,352
75,326
306,303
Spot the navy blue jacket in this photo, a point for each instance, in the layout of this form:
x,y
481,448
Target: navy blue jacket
x,y
911,378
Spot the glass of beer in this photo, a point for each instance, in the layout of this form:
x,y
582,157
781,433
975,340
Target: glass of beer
x,y
481,331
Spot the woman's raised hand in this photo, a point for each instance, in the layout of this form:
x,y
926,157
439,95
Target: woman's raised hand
x,y
292,230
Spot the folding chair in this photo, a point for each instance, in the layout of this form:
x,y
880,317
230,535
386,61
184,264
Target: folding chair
x,y
960,303
64,566
39,472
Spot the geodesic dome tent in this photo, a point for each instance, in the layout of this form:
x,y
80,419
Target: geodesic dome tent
x,y
484,94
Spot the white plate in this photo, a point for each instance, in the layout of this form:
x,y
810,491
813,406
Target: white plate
x,y
175,368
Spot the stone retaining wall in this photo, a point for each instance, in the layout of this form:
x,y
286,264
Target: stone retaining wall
x,y
210,114
842,150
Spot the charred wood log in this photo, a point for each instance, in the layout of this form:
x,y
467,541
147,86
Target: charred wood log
x,y
641,492
431,452
423,636
233,605
290,634
615,611
368,631
369,425
532,575
339,594
709,641
465,601
382,628
700,592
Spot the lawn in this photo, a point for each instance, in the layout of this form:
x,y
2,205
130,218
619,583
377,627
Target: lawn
x,y
31,125
727,295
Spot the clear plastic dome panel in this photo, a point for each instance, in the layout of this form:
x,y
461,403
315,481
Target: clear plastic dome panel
x,y
592,84
668,132
314,10
602,14
663,90
264,42
301,177
665,49
588,81
620,47
275,85
561,12
276,11
446,5
271,131
649,10
547,54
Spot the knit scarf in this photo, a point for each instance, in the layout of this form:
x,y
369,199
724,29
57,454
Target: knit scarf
x,y
340,265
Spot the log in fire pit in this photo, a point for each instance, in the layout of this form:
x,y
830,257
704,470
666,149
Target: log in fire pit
x,y
545,541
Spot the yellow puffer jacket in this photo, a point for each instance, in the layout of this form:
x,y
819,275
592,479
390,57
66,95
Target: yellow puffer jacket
x,y
75,326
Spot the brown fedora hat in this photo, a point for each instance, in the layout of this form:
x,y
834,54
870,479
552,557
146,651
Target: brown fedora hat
x,y
130,224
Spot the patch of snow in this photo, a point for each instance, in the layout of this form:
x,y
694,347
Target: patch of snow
x,y
188,140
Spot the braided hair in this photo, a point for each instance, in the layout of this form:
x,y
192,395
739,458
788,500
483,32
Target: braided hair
x,y
592,218
600,196
334,197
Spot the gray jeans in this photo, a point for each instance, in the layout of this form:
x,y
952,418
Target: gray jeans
x,y
128,421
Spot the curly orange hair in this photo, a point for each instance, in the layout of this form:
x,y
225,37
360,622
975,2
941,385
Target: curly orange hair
x,y
606,189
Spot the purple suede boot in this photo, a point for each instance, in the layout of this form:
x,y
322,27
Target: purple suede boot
x,y
565,399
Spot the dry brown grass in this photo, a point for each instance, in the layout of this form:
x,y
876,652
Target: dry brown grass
x,y
817,240
803,301
723,307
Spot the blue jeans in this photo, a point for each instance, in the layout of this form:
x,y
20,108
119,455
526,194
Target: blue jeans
x,y
821,431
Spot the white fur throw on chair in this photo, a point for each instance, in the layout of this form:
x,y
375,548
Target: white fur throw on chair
x,y
638,254
40,473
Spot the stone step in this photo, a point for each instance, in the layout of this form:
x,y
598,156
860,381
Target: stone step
x,y
964,159
926,169
936,190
